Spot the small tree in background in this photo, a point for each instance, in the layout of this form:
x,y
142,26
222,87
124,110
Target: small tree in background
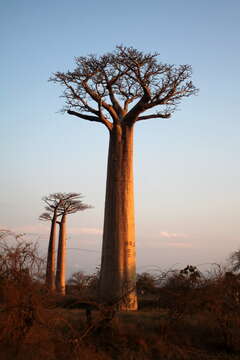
x,y
56,204
52,202
146,283
82,284
79,282
70,206
235,261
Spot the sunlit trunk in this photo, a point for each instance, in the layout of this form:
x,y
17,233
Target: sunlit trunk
x,y
118,267
61,258
50,272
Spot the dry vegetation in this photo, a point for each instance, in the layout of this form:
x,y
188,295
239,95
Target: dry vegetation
x,y
182,315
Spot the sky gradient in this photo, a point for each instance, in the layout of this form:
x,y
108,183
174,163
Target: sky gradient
x,y
186,169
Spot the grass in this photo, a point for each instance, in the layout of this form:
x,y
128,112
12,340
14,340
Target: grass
x,y
182,320
60,333
132,335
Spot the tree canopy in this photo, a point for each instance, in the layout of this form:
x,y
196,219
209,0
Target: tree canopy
x,y
118,87
62,204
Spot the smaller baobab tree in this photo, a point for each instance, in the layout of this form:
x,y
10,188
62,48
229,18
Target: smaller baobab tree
x,y
54,203
70,206
50,270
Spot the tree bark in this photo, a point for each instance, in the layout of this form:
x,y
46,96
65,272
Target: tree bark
x,y
50,272
61,258
118,267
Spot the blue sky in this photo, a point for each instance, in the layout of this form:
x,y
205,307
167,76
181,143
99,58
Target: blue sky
x,y
186,169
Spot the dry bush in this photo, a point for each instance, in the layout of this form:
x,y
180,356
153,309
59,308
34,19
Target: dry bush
x,y
84,286
194,317
20,290
222,301
213,301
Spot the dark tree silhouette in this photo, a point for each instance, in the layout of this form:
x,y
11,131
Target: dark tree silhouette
x,y
146,283
115,90
235,260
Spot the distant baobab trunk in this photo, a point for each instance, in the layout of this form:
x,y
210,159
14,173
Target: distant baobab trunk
x,y
53,202
59,204
118,266
61,258
50,273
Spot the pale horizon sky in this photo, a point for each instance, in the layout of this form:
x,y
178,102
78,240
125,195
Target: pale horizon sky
x,y
186,169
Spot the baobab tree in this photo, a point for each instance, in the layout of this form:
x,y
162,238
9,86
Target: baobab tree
x,y
70,206
54,208
52,202
115,90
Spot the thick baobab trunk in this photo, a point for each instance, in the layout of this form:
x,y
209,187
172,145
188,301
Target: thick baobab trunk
x,y
61,257
118,268
50,273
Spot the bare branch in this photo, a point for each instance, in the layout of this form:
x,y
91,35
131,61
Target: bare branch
x,y
77,96
100,119
154,116
96,97
85,117
45,217
123,85
140,107
117,107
